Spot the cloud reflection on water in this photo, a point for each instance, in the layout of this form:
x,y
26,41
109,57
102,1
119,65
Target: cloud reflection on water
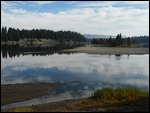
x,y
90,71
81,67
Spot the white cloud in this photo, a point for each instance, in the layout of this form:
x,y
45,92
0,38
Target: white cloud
x,y
18,11
6,5
96,3
106,20
71,2
42,2
136,2
111,3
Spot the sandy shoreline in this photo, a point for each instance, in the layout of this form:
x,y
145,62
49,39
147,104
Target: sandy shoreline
x,y
19,92
108,50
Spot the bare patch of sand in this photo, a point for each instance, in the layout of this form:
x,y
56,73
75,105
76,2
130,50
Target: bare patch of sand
x,y
108,50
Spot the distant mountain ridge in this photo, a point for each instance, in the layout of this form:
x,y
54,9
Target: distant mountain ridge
x,y
91,36
142,39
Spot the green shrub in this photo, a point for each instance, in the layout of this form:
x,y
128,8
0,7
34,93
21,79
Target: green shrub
x,y
119,94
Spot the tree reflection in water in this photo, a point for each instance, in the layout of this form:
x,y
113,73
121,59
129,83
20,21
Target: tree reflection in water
x,y
118,56
16,50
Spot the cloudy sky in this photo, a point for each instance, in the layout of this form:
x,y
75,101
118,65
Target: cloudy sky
x,y
131,18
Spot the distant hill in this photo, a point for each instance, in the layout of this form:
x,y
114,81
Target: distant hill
x,y
141,39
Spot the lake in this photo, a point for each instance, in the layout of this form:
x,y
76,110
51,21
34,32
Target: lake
x,y
82,73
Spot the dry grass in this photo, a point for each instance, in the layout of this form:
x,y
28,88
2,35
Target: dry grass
x,y
119,94
23,109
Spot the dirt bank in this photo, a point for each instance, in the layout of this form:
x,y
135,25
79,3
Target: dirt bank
x,y
11,93
79,105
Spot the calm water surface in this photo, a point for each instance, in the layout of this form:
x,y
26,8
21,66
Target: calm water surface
x,y
81,73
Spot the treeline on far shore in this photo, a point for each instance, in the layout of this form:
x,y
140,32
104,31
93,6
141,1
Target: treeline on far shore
x,y
121,42
12,34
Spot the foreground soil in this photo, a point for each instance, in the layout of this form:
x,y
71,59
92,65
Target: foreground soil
x,y
109,50
86,105
11,93
19,92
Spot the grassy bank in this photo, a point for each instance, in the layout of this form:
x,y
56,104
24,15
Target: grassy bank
x,y
119,94
106,99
